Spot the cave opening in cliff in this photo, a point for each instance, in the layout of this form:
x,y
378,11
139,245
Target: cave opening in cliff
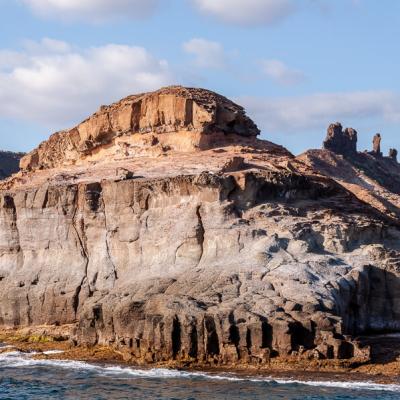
x,y
176,337
212,337
194,345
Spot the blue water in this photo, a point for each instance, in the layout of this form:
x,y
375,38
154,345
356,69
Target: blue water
x,y
21,378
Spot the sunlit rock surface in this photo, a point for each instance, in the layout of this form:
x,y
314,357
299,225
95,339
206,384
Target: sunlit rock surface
x,y
162,226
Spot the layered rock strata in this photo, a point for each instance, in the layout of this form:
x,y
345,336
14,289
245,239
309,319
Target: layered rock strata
x,y
231,254
172,118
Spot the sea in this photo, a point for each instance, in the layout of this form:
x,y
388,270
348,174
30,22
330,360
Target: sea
x,y
23,377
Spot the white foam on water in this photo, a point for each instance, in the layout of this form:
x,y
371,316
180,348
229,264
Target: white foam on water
x,y
351,385
15,359
50,352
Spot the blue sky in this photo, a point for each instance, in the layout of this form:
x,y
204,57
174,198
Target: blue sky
x,y
296,65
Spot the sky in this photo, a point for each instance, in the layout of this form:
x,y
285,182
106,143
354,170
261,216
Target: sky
x,y
295,65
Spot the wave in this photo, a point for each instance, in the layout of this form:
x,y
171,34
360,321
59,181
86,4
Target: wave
x,y
16,359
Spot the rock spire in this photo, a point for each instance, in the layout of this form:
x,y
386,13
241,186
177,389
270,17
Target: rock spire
x,y
341,141
393,154
376,145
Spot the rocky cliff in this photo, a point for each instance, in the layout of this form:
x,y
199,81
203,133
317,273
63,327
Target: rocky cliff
x,y
9,163
172,118
197,241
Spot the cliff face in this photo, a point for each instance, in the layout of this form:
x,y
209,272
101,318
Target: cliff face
x,y
9,163
230,254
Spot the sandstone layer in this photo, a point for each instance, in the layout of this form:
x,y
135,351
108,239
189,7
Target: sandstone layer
x,y
172,118
230,253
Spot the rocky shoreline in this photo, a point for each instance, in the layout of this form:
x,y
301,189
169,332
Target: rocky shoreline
x,y
53,343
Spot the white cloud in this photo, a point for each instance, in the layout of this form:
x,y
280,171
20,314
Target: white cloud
x,y
207,54
296,114
47,45
10,59
13,59
92,10
51,83
281,73
247,12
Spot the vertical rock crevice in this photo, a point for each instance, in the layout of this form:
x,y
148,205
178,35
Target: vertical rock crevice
x,y
81,240
200,232
107,239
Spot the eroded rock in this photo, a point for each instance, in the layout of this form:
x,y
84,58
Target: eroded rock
x,y
376,145
171,118
393,154
341,141
228,256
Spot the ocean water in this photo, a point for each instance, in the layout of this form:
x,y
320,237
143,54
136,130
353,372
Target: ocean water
x,y
22,377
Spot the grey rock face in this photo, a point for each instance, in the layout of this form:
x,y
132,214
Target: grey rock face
x,y
231,268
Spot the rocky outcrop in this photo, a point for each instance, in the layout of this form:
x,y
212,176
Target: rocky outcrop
x,y
341,141
225,268
223,256
376,145
9,163
171,118
393,154
363,172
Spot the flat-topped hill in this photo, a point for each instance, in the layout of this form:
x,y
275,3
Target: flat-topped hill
x,y
174,118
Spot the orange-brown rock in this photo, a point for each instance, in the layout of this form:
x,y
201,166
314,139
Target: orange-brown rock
x,y
175,118
376,145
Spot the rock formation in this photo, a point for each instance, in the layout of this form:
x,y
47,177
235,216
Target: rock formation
x,y
171,118
341,141
361,169
376,145
9,163
229,253
393,154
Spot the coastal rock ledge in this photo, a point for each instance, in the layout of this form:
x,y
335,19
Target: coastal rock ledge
x,y
164,228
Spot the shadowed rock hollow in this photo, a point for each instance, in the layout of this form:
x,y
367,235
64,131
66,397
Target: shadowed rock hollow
x,y
163,227
9,163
